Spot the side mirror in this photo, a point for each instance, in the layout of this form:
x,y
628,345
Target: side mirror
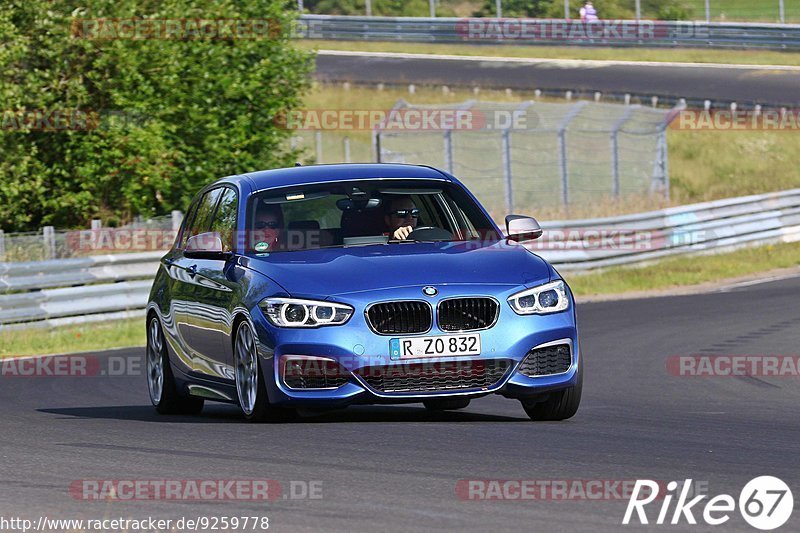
x,y
205,246
521,228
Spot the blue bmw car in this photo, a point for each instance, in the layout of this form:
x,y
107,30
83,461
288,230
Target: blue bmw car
x,y
323,286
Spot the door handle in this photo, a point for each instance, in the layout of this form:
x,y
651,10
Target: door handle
x,y
192,270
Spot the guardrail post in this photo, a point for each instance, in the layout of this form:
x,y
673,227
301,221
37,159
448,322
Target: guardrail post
x,y
376,146
506,150
49,237
781,12
498,5
368,9
2,246
432,5
708,11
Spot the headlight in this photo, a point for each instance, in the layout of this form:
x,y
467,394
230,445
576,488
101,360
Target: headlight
x,y
547,298
294,313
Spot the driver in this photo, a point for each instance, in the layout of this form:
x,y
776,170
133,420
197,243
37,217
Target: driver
x,y
267,227
401,215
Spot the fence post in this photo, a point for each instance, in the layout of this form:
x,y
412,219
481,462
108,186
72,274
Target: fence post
x,y
566,9
177,219
615,148
498,5
781,12
507,170
318,142
376,146
708,11
96,225
432,5
346,143
638,10
448,150
2,246
368,9
562,149
49,237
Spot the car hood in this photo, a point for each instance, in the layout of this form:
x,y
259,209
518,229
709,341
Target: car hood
x,y
338,271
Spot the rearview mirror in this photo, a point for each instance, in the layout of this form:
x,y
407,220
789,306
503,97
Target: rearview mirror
x,y
521,228
205,246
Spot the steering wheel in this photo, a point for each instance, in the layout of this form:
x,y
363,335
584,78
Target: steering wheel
x,y
429,233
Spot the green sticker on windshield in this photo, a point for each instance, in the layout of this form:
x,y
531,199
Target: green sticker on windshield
x,y
261,246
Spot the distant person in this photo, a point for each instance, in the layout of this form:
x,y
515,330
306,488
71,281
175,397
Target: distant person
x,y
588,12
401,217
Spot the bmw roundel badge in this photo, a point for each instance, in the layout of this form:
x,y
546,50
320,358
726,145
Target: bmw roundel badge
x,y
430,291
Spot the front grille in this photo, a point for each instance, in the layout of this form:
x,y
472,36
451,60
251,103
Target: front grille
x,y
314,374
440,376
547,361
464,314
391,318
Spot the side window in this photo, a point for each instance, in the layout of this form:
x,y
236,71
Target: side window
x,y
224,221
201,221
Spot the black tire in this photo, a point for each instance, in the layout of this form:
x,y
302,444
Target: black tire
x,y
559,405
446,404
170,401
262,410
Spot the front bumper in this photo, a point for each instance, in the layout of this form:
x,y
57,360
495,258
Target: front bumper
x,y
359,353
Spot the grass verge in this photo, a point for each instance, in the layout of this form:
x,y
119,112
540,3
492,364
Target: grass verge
x,y
71,339
686,271
680,55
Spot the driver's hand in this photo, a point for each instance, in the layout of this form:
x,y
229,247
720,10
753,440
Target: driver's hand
x,y
402,233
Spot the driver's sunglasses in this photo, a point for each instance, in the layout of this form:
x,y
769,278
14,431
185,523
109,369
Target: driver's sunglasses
x,y
405,213
272,224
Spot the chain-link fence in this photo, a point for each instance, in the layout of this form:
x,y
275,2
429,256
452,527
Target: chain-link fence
x,y
528,155
156,233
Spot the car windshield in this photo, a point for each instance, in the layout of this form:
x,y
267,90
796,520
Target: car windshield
x,y
365,212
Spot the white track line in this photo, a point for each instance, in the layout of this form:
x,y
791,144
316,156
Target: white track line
x,y
563,63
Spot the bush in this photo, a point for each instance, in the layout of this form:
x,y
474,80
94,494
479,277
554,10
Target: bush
x,y
166,116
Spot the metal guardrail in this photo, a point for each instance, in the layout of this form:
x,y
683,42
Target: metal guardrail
x,y
51,293
667,34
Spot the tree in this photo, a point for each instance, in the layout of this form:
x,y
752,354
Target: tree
x,y
148,120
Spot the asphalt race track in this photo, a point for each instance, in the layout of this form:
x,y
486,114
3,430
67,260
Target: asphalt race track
x,y
747,86
396,468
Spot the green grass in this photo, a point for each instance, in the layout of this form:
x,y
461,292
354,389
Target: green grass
x,y
71,339
745,10
686,270
691,55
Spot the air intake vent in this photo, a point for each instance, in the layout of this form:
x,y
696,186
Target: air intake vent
x,y
547,361
436,376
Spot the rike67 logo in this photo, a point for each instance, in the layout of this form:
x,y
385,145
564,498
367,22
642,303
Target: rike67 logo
x,y
765,503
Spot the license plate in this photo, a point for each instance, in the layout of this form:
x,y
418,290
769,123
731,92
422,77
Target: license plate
x,y
439,346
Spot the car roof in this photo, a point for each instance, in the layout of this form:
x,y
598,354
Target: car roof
x,y
302,175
